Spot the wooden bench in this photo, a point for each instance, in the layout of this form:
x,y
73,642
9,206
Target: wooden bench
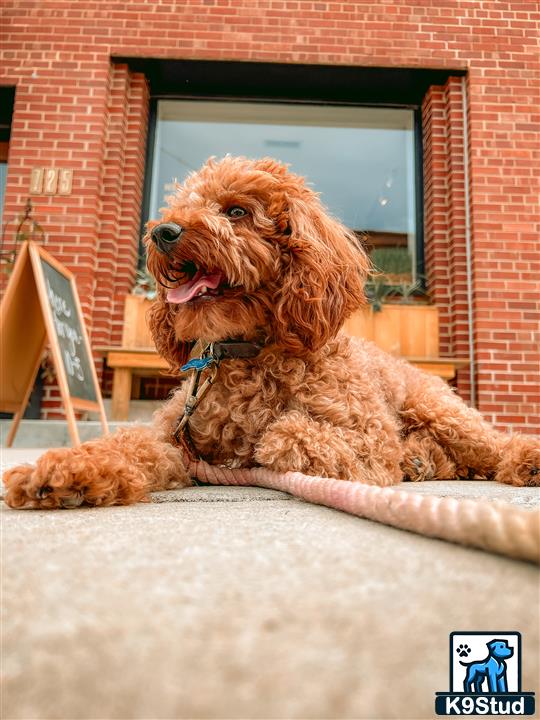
x,y
130,364
135,358
138,358
446,368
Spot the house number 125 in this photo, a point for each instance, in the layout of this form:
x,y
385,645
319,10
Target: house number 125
x,y
51,181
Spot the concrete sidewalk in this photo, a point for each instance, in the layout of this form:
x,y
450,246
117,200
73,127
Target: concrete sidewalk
x,y
244,603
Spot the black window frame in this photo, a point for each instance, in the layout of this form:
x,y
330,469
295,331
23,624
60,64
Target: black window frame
x,y
7,101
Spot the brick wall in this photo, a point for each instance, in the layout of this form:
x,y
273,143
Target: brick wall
x,y
120,199
445,232
74,109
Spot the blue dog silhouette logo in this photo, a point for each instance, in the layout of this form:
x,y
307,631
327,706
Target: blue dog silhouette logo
x,y
485,676
490,672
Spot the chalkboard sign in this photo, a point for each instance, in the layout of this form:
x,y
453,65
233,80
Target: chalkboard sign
x,y
69,334
41,303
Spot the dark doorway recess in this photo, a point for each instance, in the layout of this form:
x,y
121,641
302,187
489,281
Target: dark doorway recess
x,y
276,81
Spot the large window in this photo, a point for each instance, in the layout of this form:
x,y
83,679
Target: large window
x,y
361,159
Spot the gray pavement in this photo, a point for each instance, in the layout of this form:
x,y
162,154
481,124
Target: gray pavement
x,y
243,603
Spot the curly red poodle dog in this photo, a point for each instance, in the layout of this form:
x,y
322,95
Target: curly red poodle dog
x,y
246,252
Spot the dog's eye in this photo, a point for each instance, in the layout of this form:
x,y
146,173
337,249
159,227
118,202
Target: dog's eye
x,y
235,212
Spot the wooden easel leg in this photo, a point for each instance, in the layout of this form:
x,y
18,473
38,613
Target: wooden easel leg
x,y
72,424
14,426
103,418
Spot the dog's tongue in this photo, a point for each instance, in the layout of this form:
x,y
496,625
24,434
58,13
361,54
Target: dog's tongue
x,y
184,293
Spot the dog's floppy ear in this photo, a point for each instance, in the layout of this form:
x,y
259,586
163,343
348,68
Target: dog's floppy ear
x,y
324,275
161,323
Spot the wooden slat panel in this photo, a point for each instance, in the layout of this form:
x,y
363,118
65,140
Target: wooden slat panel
x,y
360,324
136,333
387,324
431,330
398,329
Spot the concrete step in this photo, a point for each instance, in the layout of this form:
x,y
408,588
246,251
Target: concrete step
x,y
51,433
54,433
139,410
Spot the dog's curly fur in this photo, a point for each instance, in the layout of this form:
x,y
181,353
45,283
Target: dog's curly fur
x,y
313,400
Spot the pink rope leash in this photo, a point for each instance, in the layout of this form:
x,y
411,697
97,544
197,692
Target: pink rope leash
x,y
493,526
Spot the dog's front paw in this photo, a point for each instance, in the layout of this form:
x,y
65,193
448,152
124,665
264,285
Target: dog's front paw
x,y
297,443
425,459
48,485
520,462
68,478
20,491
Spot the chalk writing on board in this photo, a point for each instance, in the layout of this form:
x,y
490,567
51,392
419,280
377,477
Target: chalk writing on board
x,y
68,328
64,329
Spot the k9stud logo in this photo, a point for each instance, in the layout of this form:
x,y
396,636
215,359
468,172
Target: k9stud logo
x,y
485,676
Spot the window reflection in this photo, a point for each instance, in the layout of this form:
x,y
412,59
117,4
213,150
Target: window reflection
x,y
361,161
3,180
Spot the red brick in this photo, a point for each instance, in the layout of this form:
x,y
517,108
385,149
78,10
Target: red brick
x,y
91,116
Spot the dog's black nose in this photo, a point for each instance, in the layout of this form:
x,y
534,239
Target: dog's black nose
x,y
166,235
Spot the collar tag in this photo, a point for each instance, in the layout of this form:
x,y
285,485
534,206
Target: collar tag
x,y
198,364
